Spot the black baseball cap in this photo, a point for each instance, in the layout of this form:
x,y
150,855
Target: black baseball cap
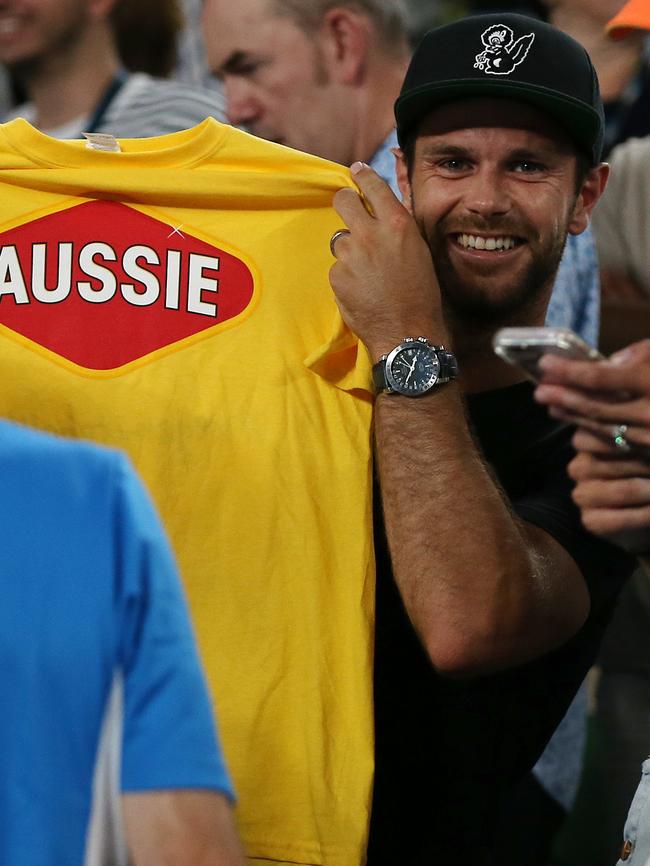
x,y
507,55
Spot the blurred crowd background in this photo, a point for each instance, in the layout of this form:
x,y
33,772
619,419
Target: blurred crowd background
x,y
191,67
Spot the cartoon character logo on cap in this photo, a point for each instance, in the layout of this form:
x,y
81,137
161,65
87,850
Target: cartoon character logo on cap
x,y
502,54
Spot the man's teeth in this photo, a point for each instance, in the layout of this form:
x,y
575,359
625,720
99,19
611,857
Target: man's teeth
x,y
477,242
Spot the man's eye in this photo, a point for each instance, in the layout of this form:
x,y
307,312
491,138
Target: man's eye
x,y
526,166
246,69
453,164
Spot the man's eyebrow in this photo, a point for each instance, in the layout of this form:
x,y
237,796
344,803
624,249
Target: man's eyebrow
x,y
232,63
522,154
433,149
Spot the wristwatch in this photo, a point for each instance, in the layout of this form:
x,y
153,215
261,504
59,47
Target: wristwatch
x,y
413,368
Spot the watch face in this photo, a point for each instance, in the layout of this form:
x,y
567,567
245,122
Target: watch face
x,y
413,369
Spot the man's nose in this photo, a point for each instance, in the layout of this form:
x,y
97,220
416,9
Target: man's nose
x,y
487,193
241,105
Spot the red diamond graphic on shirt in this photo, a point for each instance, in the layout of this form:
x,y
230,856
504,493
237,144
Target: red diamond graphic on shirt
x,y
102,284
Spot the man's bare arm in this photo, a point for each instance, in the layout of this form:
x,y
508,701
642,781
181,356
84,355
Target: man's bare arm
x,y
484,590
181,828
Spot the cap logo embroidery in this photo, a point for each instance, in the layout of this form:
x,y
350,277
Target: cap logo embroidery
x,y
502,54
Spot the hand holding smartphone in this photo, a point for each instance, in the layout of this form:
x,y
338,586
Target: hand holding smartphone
x,y
523,347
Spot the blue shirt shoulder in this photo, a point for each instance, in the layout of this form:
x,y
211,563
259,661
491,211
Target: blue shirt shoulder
x,y
89,590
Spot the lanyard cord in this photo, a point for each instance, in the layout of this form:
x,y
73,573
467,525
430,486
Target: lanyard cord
x,y
117,83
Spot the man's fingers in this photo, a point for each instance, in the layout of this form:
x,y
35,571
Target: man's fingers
x,y
616,493
615,376
378,194
378,202
348,205
600,439
602,429
615,522
589,375
587,405
634,353
586,466
584,440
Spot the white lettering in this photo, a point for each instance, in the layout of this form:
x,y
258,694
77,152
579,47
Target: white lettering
x,y
96,271
173,287
64,273
198,283
149,281
12,281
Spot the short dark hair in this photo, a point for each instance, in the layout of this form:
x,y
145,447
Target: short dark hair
x,y
389,16
146,33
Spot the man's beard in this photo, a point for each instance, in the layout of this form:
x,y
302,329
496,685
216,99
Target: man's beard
x,y
468,303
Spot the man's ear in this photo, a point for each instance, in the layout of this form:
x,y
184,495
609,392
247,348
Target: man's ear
x,y
591,190
345,37
403,181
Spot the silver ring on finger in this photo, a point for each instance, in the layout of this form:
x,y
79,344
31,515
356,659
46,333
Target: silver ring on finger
x,y
337,234
619,439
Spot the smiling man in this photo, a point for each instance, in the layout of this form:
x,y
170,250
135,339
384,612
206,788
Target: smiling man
x,y
492,579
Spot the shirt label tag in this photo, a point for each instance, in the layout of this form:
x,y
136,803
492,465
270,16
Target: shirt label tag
x,y
102,141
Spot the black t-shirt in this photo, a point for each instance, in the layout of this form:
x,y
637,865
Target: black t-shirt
x,y
448,751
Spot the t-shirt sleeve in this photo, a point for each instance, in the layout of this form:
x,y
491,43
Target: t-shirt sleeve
x,y
169,736
343,360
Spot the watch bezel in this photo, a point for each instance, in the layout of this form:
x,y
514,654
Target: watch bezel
x,y
421,346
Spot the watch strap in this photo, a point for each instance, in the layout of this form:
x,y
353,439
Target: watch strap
x,y
448,365
379,375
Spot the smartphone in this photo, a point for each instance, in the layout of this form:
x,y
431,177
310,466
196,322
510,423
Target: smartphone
x,y
523,347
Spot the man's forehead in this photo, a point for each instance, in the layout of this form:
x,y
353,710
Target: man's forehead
x,y
494,113
233,29
238,11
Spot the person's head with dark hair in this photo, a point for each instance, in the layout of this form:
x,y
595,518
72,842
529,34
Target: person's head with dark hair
x,y
317,75
146,34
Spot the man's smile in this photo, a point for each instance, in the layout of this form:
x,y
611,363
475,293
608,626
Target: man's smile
x,y
499,243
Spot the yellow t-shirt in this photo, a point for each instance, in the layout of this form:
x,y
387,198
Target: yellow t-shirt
x,y
172,300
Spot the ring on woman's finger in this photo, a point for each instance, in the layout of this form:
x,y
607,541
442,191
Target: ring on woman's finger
x,y
618,437
338,234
